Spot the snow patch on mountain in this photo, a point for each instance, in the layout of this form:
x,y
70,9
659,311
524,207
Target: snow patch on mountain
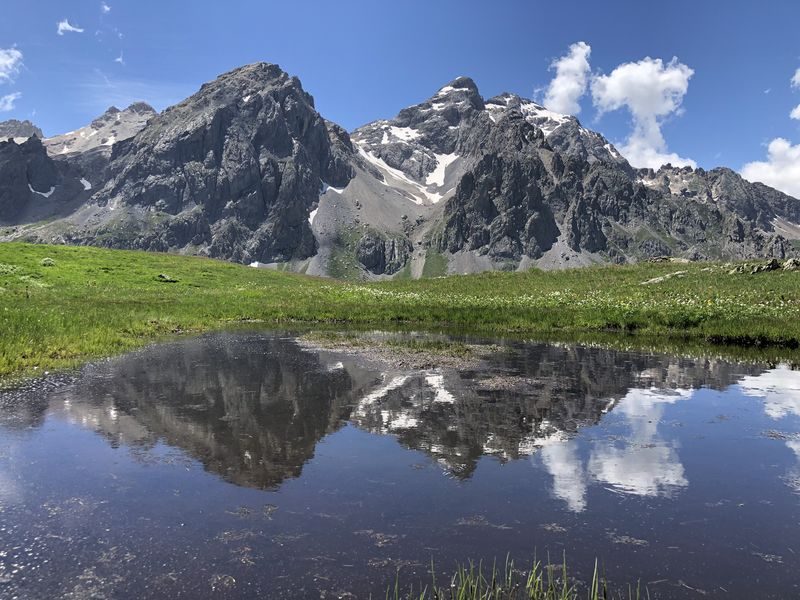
x,y
46,194
396,178
111,127
436,177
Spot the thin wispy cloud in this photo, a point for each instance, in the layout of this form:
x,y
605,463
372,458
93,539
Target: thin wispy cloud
x,y
100,91
8,101
10,64
66,27
120,59
105,8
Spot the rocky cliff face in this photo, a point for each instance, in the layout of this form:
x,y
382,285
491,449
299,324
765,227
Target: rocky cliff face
x,y
33,186
18,130
247,170
521,186
232,171
90,147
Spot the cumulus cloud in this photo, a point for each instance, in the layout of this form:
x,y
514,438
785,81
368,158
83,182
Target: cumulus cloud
x,y
796,79
781,170
7,101
651,91
795,114
645,464
571,80
66,27
10,63
570,482
105,8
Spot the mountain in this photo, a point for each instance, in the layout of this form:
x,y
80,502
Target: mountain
x,y
528,187
247,170
90,146
19,130
34,187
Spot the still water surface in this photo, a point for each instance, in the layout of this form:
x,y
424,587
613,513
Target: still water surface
x,y
244,465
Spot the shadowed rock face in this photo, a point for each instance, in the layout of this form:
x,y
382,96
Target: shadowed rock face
x,y
33,186
238,164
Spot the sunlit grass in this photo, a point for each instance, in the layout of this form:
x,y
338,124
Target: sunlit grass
x,y
539,582
89,302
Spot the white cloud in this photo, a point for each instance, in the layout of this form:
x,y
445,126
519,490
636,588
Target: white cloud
x,y
644,464
120,59
781,170
10,63
796,79
778,388
795,114
105,8
651,91
570,483
7,101
571,80
65,26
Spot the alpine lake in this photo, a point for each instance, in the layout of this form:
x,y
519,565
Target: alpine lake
x,y
256,464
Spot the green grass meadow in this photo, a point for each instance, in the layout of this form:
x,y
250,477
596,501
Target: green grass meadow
x,y
61,306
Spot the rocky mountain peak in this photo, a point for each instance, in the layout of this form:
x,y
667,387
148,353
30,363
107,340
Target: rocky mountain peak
x,y
141,108
113,126
237,166
546,120
246,169
246,83
460,90
19,130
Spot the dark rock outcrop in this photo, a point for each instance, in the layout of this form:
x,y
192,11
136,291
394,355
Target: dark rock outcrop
x,y
15,129
381,255
239,164
32,185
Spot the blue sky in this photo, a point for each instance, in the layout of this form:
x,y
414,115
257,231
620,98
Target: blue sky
x,y
364,60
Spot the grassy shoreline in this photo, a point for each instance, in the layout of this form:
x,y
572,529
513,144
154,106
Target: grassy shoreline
x,y
61,306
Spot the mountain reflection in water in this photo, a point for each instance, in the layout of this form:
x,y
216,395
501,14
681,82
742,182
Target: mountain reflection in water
x,y
252,461
252,408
